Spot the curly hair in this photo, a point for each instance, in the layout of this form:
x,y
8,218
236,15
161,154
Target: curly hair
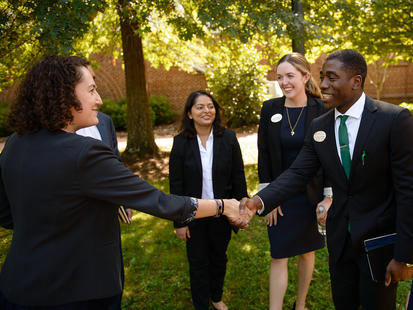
x,y
299,62
187,124
46,95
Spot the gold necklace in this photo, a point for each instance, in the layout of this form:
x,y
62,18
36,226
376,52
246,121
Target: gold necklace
x,y
296,122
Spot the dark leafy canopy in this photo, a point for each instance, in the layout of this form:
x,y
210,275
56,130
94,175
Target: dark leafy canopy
x,y
30,29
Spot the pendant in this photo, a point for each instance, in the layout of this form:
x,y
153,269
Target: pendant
x,y
292,132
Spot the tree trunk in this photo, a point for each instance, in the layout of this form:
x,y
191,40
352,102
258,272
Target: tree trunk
x,y
141,140
298,38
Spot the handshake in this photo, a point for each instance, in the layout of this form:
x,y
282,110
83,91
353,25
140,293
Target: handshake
x,y
239,213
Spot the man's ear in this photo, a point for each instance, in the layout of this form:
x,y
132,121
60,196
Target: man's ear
x,y
357,81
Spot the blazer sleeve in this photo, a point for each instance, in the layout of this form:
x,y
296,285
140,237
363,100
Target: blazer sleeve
x,y
239,184
402,174
264,157
176,172
292,180
6,219
103,177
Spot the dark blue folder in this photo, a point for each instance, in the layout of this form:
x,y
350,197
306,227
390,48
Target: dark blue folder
x,y
379,253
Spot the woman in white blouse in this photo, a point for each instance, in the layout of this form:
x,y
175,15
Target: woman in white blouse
x,y
206,162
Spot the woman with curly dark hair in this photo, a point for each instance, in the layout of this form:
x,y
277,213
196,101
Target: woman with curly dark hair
x,y
60,193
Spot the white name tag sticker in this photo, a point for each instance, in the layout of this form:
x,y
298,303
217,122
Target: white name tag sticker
x,y
319,136
276,118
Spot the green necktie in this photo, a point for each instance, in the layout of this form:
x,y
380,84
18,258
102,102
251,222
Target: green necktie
x,y
344,145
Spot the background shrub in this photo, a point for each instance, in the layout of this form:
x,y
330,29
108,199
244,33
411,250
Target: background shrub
x,y
4,112
117,111
238,86
407,105
161,110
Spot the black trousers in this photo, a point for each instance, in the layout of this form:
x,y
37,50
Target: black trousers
x,y
96,304
206,251
352,286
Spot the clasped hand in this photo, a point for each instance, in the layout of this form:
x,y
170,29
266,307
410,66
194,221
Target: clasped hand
x,y
235,216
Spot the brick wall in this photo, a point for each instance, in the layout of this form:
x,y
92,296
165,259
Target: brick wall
x,y
177,84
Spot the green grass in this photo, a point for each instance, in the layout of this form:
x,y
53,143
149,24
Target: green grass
x,y
156,267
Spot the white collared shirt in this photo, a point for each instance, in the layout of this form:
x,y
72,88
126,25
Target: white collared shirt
x,y
91,131
352,123
206,160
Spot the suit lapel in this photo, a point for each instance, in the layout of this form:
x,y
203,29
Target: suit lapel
x,y
367,121
216,150
331,144
275,130
103,131
312,112
196,153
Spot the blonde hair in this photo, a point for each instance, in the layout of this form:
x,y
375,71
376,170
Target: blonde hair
x,y
299,62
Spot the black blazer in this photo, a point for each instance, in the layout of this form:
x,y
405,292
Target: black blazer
x,y
185,168
269,144
107,132
60,193
378,197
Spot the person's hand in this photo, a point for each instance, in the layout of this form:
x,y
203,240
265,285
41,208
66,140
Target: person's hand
x,y
232,212
326,203
397,271
254,204
183,233
272,216
129,212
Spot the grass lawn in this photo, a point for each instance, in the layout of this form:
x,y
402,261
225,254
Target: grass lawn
x,y
157,269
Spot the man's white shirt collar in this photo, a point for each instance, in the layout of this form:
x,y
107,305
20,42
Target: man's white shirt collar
x,y
355,110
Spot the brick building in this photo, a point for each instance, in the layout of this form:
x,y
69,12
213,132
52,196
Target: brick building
x,y
177,84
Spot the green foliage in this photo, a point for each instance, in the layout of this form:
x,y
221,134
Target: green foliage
x,y
4,112
237,83
161,110
407,105
31,29
117,111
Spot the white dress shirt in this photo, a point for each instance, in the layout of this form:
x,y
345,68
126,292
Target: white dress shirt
x,y
352,123
206,160
91,131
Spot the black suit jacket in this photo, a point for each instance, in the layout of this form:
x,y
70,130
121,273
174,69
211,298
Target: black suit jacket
x,y
269,144
378,197
60,193
185,168
107,132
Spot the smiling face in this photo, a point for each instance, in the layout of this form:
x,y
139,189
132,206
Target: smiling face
x,y
202,112
339,87
89,99
292,82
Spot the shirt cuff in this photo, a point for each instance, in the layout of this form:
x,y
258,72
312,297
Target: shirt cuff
x,y
328,192
260,211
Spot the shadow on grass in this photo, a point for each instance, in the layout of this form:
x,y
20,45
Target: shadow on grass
x,y
156,267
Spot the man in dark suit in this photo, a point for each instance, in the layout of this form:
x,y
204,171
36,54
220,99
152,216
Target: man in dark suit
x,y
105,132
365,148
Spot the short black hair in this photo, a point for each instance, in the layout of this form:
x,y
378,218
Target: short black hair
x,y
187,124
352,61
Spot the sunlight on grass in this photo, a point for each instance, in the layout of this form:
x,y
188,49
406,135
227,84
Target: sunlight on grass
x,y
156,267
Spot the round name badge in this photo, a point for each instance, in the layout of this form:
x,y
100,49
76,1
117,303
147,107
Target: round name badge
x,y
319,136
276,118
